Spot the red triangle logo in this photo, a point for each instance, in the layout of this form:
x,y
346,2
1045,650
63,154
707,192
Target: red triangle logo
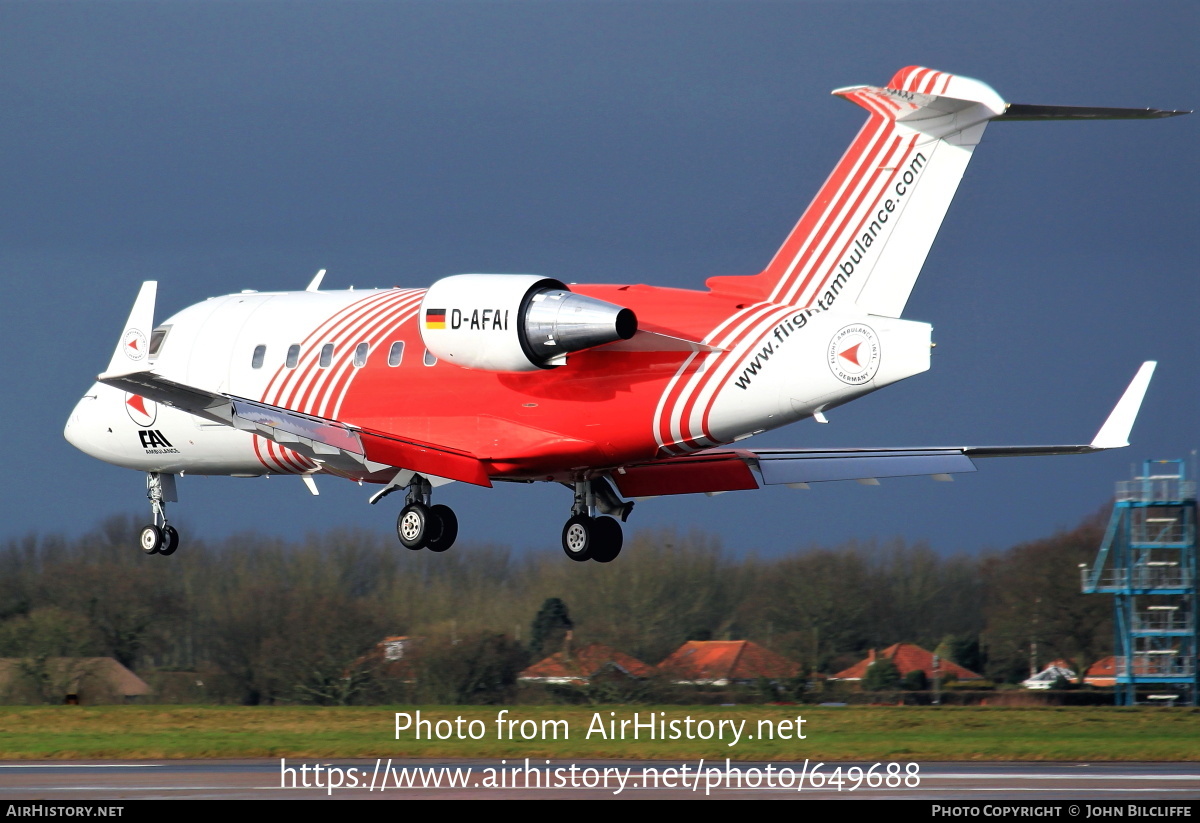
x,y
851,354
133,343
138,404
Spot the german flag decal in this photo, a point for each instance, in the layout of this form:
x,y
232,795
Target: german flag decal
x,y
435,318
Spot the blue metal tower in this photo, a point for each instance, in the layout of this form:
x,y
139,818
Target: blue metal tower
x,y
1148,561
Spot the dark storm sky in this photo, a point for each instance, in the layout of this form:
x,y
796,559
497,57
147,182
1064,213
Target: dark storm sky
x,y
220,146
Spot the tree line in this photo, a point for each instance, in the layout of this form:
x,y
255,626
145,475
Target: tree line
x,y
299,621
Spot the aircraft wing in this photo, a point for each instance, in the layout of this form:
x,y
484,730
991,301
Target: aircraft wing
x,y
721,470
329,442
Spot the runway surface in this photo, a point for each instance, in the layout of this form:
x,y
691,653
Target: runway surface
x,y
1083,783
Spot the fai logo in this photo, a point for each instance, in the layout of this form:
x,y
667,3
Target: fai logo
x,y
153,439
134,344
141,411
854,354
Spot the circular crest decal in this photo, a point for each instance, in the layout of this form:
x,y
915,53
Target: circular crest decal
x,y
141,410
854,354
134,344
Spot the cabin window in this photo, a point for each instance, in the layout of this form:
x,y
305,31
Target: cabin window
x,y
360,354
293,356
157,338
396,353
260,353
430,360
326,355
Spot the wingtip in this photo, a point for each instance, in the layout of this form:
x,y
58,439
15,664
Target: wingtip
x,y
133,349
1114,434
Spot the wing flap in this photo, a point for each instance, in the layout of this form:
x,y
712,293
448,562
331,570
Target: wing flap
x,y
779,467
298,427
424,458
719,472
724,470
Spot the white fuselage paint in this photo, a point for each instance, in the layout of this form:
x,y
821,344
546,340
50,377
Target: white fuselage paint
x,y
209,346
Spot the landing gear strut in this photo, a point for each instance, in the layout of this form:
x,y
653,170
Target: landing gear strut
x,y
588,537
159,537
422,526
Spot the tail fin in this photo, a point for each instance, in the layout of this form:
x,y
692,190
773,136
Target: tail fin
x,y
903,167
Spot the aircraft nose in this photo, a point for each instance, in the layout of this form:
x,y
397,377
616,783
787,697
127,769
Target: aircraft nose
x,y
78,430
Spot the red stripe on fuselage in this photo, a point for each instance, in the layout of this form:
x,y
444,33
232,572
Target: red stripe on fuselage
x,y
369,332
297,385
384,331
344,339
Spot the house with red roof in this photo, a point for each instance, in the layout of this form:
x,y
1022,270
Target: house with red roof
x,y
721,662
907,657
584,664
1102,673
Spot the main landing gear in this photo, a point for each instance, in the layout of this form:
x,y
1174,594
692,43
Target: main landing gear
x,y
159,537
424,526
587,536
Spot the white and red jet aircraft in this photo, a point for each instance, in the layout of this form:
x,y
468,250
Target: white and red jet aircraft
x,y
519,378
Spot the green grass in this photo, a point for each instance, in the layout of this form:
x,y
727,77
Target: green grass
x,y
851,733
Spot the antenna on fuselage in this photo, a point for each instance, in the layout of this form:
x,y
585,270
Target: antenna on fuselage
x,y
315,285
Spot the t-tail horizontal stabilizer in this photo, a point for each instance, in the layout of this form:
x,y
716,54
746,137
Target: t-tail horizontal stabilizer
x,y
1022,111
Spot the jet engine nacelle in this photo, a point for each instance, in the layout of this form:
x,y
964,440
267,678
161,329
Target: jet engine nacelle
x,y
515,322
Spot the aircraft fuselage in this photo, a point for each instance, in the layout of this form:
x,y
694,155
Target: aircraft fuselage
x,y
606,407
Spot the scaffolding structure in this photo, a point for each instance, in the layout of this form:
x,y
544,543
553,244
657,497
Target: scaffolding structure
x,y
1148,562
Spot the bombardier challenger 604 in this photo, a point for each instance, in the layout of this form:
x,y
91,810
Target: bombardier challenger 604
x,y
614,391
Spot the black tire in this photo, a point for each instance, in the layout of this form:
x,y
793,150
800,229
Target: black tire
x,y
413,526
151,539
607,539
448,533
577,538
170,540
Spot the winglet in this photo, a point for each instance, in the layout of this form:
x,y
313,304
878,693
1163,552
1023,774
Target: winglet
x,y
315,284
133,349
1114,434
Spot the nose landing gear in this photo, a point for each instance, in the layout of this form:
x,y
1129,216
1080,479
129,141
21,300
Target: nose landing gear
x,y
159,537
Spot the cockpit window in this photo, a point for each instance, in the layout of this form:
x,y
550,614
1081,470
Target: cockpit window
x,y
157,338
